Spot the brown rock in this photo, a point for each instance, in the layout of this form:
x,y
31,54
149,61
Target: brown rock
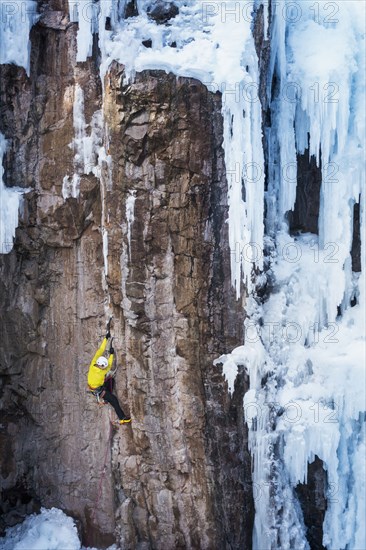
x,y
176,477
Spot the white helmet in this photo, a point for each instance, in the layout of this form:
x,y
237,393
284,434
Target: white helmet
x,y
102,362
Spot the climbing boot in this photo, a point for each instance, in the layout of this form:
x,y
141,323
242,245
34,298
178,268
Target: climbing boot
x,y
125,420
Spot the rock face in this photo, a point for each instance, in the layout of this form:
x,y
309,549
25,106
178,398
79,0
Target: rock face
x,y
179,476
313,501
356,239
305,217
161,12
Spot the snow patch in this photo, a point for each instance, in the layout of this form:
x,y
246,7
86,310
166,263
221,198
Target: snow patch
x,y
50,530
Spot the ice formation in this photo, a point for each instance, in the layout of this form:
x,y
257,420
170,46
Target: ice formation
x,y
213,43
86,145
90,157
130,216
305,345
10,200
16,20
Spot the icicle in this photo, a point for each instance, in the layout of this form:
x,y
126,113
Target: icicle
x,y
130,215
71,186
85,14
88,150
17,18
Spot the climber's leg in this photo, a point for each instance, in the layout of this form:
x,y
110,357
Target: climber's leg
x,y
112,400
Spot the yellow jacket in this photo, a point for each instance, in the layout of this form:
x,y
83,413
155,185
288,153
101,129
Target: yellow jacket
x,y
96,375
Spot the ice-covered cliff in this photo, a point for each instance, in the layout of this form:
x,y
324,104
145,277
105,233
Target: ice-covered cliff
x,y
305,332
196,169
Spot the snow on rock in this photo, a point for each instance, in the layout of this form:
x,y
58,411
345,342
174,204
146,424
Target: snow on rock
x,y
71,186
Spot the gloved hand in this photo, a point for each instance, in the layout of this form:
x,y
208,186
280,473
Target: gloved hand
x,y
108,335
111,350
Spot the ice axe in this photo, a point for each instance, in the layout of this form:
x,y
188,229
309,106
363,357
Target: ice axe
x,y
111,351
108,328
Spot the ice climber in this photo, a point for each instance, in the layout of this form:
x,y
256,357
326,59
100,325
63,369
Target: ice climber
x,y
101,378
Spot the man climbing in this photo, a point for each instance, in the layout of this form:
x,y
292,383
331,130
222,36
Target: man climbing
x,y
101,381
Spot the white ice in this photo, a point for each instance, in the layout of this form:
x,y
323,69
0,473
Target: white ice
x,y
130,216
86,145
16,20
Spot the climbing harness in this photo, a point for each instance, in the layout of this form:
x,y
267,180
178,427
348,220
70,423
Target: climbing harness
x,y
97,393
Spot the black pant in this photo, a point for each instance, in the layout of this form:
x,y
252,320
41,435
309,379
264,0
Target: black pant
x,y
107,395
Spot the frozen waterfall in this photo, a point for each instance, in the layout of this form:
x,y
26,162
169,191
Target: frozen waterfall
x,y
304,343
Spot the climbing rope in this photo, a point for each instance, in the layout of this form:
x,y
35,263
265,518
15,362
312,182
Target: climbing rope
x,y
104,468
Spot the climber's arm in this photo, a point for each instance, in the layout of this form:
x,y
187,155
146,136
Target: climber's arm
x,y
99,352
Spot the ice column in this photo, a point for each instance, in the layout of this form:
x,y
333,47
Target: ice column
x,y
16,20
